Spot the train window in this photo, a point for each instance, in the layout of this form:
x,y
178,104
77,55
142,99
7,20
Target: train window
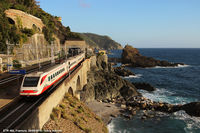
x,y
49,78
53,75
31,81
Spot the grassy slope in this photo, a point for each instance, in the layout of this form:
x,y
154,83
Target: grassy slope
x,y
71,115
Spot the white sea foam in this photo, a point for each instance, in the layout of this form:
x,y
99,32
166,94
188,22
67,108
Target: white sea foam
x,y
191,122
133,76
111,127
179,66
157,95
163,95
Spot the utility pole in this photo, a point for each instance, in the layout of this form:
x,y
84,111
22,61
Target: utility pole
x,y
8,52
38,57
52,52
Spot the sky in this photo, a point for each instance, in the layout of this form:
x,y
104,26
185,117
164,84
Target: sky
x,y
140,23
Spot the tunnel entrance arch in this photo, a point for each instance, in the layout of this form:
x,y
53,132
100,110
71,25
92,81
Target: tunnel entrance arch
x,y
11,21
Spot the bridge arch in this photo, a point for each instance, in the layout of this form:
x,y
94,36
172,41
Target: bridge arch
x,y
78,83
70,91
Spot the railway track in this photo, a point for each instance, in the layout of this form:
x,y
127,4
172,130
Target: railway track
x,y
14,77
13,115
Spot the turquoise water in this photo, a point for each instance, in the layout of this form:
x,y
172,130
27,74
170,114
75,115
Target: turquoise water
x,y
177,85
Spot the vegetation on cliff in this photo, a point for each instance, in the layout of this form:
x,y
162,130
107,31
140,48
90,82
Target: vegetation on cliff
x,y
98,41
16,34
9,32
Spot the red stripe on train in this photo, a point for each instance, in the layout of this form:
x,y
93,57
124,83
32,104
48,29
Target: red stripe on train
x,y
45,88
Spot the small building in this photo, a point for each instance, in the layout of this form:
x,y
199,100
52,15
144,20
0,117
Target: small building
x,y
5,60
59,19
102,52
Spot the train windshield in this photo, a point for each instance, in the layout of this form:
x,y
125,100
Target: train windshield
x,y
31,81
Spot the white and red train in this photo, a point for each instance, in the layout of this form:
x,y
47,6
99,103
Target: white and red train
x,y
36,83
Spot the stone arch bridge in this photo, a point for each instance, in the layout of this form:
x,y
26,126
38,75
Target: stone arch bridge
x,y
73,84
27,20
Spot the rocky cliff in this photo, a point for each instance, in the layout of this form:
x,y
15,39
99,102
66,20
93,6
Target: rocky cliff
x,y
104,83
132,57
100,42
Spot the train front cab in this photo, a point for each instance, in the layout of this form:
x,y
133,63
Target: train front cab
x,y
30,86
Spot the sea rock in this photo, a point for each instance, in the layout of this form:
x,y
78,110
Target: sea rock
x,y
144,86
128,91
127,116
143,117
128,53
132,57
123,106
193,108
121,71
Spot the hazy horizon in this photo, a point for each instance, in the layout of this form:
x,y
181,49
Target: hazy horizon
x,y
141,23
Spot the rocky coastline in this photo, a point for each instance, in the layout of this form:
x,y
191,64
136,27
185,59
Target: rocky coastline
x,y
105,85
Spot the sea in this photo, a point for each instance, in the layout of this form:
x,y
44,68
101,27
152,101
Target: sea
x,y
175,85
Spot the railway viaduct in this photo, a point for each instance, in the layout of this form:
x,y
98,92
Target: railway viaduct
x,y
73,85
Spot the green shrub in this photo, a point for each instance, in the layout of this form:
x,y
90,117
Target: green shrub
x,y
73,114
104,129
72,104
57,111
84,119
16,64
80,109
53,116
28,32
62,105
98,119
64,115
87,130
